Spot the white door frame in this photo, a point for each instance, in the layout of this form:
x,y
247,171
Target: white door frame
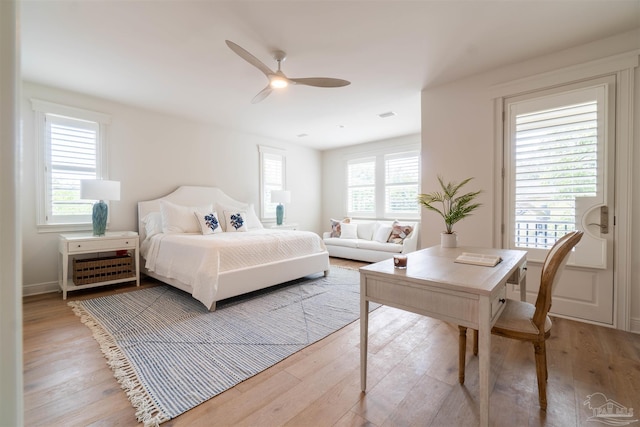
x,y
622,66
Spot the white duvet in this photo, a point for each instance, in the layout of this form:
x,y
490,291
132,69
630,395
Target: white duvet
x,y
197,260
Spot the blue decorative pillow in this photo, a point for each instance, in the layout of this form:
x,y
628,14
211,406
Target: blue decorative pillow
x,y
236,221
209,222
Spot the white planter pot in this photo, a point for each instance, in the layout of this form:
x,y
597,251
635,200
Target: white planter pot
x,y
448,240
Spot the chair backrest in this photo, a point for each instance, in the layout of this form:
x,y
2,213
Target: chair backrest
x,y
551,271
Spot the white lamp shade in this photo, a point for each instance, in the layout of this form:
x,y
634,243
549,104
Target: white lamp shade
x,y
99,189
280,196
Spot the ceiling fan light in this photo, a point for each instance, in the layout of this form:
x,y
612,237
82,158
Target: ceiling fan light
x,y
278,83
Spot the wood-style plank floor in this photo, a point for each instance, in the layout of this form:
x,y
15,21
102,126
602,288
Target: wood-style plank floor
x,y
412,376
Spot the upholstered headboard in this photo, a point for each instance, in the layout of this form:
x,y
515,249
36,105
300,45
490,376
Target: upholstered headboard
x,y
186,196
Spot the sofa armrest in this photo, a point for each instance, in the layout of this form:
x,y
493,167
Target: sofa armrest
x,y
410,244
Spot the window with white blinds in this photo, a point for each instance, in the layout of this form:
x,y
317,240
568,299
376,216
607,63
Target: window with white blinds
x,y
73,156
70,148
272,178
556,161
361,187
385,185
402,174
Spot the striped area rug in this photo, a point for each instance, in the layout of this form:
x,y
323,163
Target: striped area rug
x,y
170,354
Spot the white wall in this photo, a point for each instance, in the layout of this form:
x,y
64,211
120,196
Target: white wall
x,y
334,171
152,154
11,384
458,140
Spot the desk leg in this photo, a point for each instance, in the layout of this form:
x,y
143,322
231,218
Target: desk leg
x,y
364,339
484,326
523,288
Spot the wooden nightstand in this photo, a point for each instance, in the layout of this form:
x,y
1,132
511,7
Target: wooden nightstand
x,y
290,226
107,267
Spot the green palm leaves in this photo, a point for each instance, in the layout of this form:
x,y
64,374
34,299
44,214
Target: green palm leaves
x,y
448,205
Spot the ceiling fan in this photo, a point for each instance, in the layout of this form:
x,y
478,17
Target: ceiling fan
x,y
277,79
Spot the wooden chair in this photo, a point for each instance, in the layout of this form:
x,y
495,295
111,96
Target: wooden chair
x,y
527,322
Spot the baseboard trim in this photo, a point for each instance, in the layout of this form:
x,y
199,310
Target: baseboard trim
x,y
40,288
634,325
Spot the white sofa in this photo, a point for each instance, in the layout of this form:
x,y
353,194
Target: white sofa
x,y
368,244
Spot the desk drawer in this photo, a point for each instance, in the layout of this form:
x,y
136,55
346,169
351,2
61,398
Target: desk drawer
x,y
101,245
519,274
498,302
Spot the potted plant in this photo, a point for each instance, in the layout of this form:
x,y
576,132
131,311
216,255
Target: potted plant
x,y
451,206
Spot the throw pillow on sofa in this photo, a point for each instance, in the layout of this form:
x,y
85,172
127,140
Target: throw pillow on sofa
x,y
399,232
335,226
349,231
382,233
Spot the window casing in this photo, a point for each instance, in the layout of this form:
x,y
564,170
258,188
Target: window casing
x,y
71,147
272,178
385,185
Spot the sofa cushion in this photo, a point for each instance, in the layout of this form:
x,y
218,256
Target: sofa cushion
x,y
366,229
337,241
377,246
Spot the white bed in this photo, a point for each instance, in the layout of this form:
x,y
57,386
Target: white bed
x,y
227,278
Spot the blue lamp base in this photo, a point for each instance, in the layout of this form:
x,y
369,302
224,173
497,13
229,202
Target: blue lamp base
x,y
99,218
279,214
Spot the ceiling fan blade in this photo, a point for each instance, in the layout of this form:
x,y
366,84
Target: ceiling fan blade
x,y
262,94
321,82
242,53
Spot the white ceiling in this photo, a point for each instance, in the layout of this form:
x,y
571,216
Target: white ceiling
x,y
170,56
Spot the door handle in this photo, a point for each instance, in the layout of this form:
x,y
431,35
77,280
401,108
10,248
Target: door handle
x,y
604,220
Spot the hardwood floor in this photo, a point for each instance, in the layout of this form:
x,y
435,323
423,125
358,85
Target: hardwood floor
x,y
412,376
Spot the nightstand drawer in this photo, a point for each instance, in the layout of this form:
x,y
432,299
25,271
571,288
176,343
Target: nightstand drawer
x,y
101,245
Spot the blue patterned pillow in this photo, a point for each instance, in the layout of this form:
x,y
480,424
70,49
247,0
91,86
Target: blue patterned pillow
x,y
209,222
236,221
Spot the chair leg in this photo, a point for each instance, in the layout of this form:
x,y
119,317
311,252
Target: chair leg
x,y
462,352
541,372
475,342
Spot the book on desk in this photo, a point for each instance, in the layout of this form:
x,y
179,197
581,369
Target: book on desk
x,y
478,259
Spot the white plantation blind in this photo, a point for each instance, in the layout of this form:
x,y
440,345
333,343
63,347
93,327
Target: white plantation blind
x,y
272,173
402,174
556,161
72,156
361,187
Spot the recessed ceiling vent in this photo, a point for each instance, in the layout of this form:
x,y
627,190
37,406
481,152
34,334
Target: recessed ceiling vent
x,y
387,114
302,135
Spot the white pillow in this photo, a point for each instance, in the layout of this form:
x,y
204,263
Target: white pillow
x,y
236,220
180,219
253,222
209,222
366,230
348,231
152,224
383,233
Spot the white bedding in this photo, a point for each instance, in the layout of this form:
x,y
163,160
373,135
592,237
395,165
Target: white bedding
x,y
197,260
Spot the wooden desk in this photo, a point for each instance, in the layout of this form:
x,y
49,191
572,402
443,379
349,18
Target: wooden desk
x,y
434,285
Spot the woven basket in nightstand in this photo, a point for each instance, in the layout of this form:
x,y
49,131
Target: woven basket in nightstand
x,y
95,270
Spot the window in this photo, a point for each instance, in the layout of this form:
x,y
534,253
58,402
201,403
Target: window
x,y
70,148
272,177
402,174
361,187
384,186
557,162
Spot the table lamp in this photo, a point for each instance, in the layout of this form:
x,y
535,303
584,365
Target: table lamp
x,y
280,197
101,190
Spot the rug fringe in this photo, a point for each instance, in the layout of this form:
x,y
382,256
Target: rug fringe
x,y
147,411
